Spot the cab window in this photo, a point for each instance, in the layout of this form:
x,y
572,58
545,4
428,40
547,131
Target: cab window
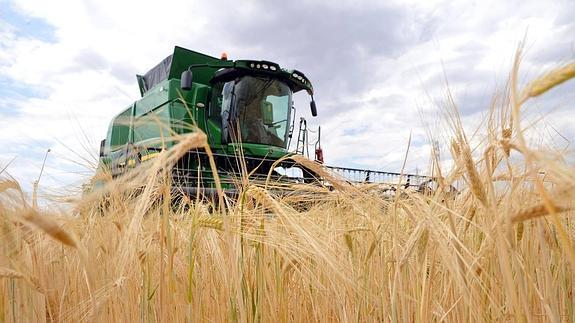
x,y
221,99
121,130
153,126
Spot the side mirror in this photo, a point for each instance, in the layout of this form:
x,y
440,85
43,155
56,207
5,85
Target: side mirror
x,y
313,108
102,146
186,80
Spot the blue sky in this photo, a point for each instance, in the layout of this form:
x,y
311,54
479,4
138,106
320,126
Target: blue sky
x,y
24,25
67,67
20,25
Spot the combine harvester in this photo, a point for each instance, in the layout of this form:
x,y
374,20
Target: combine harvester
x,y
245,108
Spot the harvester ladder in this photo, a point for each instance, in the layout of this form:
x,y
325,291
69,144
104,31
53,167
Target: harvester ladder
x,y
302,144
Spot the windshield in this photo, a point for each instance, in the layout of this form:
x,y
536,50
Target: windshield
x,y
263,109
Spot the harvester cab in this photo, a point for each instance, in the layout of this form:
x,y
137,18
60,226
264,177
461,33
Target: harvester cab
x,y
253,100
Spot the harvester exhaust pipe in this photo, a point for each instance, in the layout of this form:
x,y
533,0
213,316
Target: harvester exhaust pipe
x,y
313,108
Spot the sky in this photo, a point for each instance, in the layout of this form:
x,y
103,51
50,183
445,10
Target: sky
x,y
380,70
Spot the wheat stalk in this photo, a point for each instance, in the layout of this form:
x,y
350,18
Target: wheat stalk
x,y
9,184
211,222
9,273
49,226
548,81
534,212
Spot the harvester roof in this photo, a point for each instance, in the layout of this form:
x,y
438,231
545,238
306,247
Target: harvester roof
x,y
173,66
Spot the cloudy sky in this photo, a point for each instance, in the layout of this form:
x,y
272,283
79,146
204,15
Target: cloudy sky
x,y
379,68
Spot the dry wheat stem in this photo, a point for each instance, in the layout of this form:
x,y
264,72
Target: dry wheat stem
x,y
48,226
9,273
548,81
535,212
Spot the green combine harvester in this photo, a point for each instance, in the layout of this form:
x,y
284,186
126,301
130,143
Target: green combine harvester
x,y
245,107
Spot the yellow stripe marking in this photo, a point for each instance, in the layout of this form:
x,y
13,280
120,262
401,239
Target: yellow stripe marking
x,y
150,156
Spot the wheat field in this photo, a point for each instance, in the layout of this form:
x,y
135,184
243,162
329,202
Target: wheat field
x,y
500,250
